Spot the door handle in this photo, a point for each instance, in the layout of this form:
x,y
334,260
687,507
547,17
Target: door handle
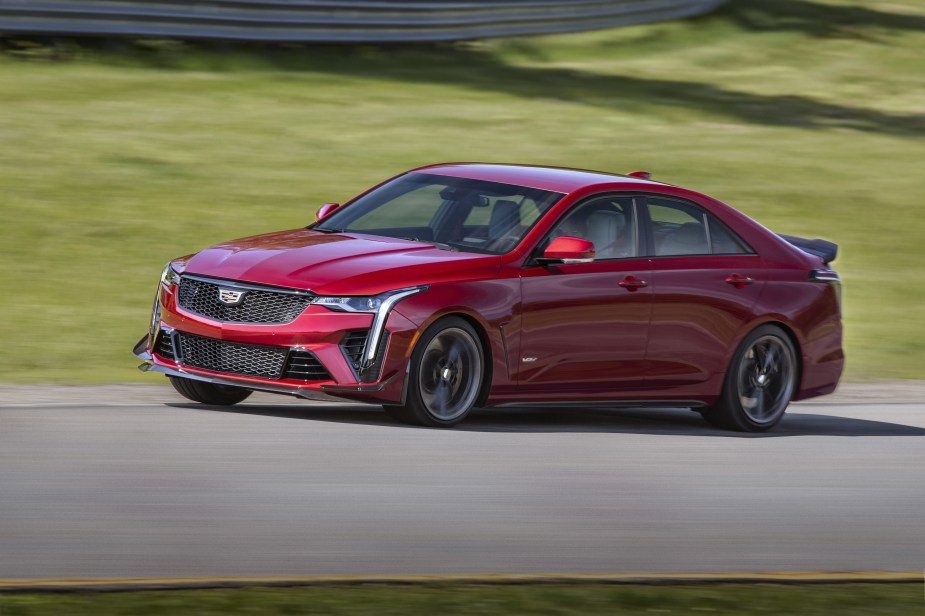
x,y
631,283
738,280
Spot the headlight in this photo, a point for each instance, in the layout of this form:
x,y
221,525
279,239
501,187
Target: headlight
x,y
170,276
350,304
370,303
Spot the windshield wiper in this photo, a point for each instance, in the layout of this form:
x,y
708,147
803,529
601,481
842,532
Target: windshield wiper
x,y
457,246
439,245
327,230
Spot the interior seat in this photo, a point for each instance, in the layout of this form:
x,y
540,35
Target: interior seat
x,y
504,224
688,239
606,230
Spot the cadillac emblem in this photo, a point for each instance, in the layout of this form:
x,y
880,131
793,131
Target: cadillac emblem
x,y
230,297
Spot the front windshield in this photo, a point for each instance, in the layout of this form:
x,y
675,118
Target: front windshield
x,y
451,213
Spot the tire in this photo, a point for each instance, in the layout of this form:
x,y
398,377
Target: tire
x,y
446,377
209,393
759,384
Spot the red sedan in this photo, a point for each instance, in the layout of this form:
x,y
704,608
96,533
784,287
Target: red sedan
x,y
457,286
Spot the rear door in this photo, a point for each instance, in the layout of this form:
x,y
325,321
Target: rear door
x,y
705,283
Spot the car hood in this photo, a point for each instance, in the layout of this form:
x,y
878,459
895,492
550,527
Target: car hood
x,y
338,263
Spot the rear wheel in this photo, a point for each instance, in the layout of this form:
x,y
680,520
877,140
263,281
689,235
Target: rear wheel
x,y
446,376
759,384
209,393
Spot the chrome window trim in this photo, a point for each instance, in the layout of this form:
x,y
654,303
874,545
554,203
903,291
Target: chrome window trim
x,y
706,227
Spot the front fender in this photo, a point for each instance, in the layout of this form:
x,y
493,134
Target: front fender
x,y
492,306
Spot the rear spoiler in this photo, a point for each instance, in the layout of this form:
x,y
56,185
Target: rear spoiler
x,y
827,251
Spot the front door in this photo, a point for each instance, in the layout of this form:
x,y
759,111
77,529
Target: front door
x,y
585,325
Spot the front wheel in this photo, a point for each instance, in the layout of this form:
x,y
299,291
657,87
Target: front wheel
x,y
759,384
209,393
447,372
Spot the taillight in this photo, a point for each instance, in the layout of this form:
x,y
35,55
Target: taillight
x,y
825,275
829,277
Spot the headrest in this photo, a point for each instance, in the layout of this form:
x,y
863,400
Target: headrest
x,y
504,215
505,204
614,222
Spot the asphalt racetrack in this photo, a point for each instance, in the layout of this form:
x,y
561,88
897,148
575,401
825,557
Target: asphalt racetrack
x,y
132,481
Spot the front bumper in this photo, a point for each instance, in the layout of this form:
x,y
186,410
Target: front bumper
x,y
317,331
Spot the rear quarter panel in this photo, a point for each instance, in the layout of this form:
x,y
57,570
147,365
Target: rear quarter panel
x,y
812,311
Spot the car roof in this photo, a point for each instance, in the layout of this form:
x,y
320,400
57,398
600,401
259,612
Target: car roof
x,y
556,179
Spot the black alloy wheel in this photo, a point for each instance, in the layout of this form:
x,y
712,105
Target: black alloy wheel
x,y
759,384
447,373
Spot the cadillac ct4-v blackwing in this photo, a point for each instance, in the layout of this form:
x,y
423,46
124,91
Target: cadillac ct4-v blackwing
x,y
456,286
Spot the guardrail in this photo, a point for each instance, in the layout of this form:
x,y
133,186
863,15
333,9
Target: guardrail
x,y
331,21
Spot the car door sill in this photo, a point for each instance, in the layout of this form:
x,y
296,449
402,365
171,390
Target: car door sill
x,y
607,404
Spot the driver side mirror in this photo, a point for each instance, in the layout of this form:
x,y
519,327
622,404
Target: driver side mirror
x,y
567,249
326,210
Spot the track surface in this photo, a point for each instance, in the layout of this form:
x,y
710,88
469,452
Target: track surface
x,y
130,481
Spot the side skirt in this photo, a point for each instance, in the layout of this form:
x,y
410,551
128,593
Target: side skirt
x,y
622,404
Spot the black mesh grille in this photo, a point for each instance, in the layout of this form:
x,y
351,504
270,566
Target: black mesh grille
x,y
164,346
304,366
202,298
232,357
352,345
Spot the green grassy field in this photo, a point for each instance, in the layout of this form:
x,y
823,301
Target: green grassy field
x,y
460,600
808,116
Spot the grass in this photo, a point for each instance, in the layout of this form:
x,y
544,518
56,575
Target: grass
x,y
115,158
452,600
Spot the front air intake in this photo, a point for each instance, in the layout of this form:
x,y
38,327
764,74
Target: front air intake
x,y
353,345
232,357
163,346
304,366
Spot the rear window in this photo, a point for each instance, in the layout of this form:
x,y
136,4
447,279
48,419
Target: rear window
x,y
680,228
725,241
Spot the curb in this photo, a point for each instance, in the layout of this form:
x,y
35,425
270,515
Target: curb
x,y
657,579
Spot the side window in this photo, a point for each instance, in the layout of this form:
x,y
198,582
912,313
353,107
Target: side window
x,y
678,228
608,222
725,242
